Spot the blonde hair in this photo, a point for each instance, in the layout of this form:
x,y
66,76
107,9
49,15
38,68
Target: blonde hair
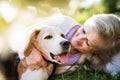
x,y
107,27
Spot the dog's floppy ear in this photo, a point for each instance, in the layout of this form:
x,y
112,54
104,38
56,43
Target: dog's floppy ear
x,y
31,42
34,36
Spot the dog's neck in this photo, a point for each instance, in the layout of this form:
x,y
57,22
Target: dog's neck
x,y
37,50
42,55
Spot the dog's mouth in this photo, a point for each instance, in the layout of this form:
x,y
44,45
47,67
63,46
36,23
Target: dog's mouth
x,y
60,58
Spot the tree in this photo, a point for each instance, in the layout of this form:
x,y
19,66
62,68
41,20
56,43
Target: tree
x,y
110,5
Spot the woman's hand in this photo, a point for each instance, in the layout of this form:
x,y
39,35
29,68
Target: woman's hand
x,y
35,61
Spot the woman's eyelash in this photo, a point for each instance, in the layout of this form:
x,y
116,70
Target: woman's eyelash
x,y
84,31
87,43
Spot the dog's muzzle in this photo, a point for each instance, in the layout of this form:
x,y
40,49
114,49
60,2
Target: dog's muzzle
x,y
65,45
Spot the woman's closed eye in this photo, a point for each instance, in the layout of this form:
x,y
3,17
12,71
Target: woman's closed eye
x,y
87,42
83,31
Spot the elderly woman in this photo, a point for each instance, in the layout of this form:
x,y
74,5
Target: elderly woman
x,y
107,53
98,41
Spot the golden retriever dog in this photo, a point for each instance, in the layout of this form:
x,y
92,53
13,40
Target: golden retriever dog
x,y
48,41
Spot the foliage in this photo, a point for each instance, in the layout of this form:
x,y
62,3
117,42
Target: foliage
x,y
110,5
43,7
82,74
84,13
106,6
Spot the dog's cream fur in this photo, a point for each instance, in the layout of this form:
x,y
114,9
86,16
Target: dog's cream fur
x,y
45,39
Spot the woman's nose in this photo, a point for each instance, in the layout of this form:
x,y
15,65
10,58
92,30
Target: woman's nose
x,y
81,39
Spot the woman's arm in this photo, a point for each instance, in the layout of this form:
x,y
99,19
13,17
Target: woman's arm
x,y
35,61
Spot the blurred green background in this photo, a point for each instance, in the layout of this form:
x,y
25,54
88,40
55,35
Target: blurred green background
x,y
80,10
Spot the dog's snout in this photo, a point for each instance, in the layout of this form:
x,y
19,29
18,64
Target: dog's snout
x,y
65,44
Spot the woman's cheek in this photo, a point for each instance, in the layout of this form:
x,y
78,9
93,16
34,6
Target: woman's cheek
x,y
85,47
74,42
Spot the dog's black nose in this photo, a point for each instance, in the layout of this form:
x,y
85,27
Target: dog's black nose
x,y
65,44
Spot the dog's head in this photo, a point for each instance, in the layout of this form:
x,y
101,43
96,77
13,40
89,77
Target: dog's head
x,y
50,41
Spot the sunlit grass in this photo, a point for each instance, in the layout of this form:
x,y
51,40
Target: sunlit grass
x,y
85,75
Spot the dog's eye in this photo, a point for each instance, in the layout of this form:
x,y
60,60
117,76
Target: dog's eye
x,y
48,37
62,35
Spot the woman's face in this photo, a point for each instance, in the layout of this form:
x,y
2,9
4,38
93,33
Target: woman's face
x,y
86,40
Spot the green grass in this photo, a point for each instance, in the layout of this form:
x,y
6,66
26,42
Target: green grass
x,y
85,75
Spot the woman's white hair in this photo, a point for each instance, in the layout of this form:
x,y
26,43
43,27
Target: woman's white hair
x,y
107,27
